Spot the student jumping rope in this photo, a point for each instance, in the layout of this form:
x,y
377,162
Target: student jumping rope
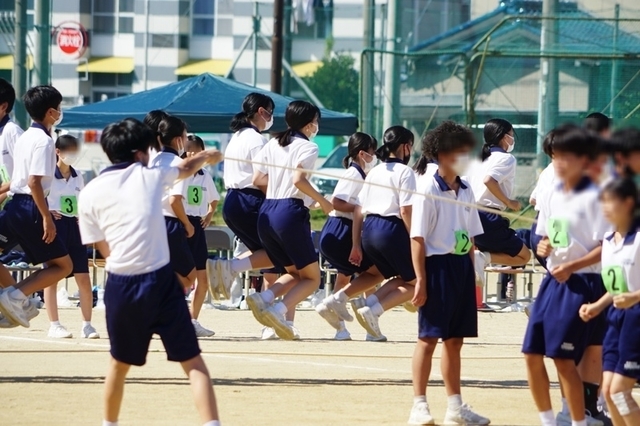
x,y
121,212
572,228
620,272
336,239
284,221
63,204
202,199
441,247
493,187
383,238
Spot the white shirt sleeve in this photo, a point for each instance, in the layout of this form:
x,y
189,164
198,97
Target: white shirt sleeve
x,y
422,217
408,187
212,192
543,203
502,168
262,157
178,188
41,160
600,224
346,189
167,176
307,156
474,225
89,228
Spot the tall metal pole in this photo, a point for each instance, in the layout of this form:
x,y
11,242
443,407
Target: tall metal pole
x,y
145,68
614,63
256,31
392,72
548,101
20,61
368,78
276,46
43,43
287,40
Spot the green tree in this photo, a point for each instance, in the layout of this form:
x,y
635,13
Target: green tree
x,y
336,83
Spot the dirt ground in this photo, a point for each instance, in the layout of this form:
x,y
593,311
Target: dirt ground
x,y
315,381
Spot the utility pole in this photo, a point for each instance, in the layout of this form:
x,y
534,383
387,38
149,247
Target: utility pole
x,y
276,47
392,72
367,68
614,63
548,101
43,44
20,61
286,77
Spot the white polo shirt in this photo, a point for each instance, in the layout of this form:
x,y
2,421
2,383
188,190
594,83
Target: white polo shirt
x,y
245,144
348,188
63,197
438,221
546,181
574,222
9,135
34,155
123,206
199,192
168,159
299,153
501,166
398,185
622,258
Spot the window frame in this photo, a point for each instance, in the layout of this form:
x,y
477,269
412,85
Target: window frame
x,y
116,15
200,16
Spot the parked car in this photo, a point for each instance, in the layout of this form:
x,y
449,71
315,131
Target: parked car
x,y
331,170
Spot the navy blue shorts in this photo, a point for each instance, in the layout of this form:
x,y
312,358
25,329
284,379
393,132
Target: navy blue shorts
x,y
555,328
138,306
69,232
621,348
386,242
336,241
598,325
285,231
181,258
497,237
240,212
8,238
198,244
24,217
450,311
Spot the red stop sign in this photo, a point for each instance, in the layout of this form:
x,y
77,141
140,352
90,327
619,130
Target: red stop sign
x,y
71,41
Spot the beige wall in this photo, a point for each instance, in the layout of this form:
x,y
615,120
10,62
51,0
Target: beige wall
x,y
600,8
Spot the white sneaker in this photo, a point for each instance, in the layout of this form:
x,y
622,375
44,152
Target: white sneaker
x,y
59,332
370,321
226,277
279,324
342,335
212,274
268,333
371,338
564,419
356,304
6,323
339,308
200,330
88,332
296,332
479,263
14,309
31,311
420,415
329,315
464,416
410,307
258,307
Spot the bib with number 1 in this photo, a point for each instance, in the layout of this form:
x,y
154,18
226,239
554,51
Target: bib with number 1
x,y
558,231
194,195
69,205
463,242
614,280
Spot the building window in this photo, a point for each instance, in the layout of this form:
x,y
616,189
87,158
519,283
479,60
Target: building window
x,y
113,16
162,40
109,86
203,16
322,18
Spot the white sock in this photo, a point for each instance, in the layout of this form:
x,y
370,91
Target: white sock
x,y
579,422
86,323
372,300
17,294
241,265
268,296
419,399
281,308
565,406
212,423
290,323
106,423
341,297
454,402
547,418
343,326
55,323
377,309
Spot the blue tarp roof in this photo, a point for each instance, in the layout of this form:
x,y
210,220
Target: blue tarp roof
x,y
207,103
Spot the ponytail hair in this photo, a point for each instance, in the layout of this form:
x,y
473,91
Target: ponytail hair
x,y
494,130
250,106
153,119
297,116
393,138
170,128
358,142
421,165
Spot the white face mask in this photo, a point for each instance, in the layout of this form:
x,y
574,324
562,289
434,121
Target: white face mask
x,y
59,120
513,144
461,164
268,124
369,165
69,159
314,134
180,150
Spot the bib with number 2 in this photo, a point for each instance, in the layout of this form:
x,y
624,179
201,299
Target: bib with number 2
x,y
194,195
614,280
463,242
69,205
558,231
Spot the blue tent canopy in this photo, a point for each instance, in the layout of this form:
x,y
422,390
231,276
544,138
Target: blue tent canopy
x,y
206,103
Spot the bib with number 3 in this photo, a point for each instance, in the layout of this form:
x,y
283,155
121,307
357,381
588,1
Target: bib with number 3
x,y
614,280
463,242
558,231
69,205
194,195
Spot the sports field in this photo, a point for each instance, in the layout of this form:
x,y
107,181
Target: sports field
x,y
315,381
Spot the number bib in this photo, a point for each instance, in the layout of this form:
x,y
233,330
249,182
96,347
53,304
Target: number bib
x,y
69,205
614,280
463,242
194,195
4,174
558,231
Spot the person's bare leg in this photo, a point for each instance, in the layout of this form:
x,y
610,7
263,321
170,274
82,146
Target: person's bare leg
x,y
6,279
363,282
341,282
620,384
538,382
200,293
202,389
616,418
590,366
308,283
504,259
260,260
394,293
56,270
450,365
572,386
114,389
86,295
51,302
421,364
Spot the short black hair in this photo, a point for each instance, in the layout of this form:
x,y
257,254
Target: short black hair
x,y
597,122
626,141
67,141
121,140
40,99
578,141
153,118
449,136
7,94
196,140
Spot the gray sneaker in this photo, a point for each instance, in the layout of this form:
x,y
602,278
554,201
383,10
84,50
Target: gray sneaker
x,y
370,321
339,308
329,315
14,309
